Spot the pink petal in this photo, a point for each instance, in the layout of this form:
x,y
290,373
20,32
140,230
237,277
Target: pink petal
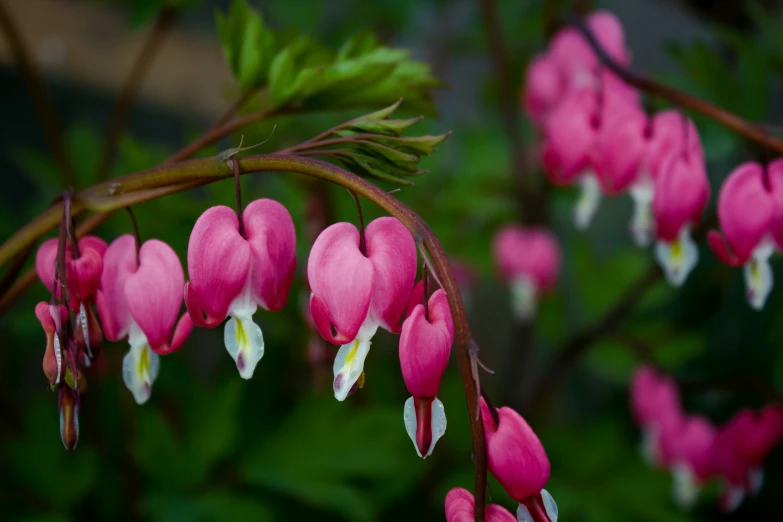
x,y
341,280
775,172
608,30
425,346
44,262
119,263
745,209
417,298
530,252
681,194
94,243
272,237
154,292
515,456
668,138
460,506
392,251
181,334
84,275
570,136
621,149
219,261
543,88
720,246
654,397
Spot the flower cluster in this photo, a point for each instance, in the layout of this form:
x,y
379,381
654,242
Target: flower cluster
x,y
694,450
360,279
595,134
516,458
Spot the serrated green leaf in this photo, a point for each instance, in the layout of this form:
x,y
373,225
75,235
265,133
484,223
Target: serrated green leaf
x,y
383,113
400,159
281,76
415,145
387,127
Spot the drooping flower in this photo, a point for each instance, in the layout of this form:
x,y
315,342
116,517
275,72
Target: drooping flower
x,y
656,407
460,506
140,300
630,154
681,193
748,206
529,260
357,286
425,346
52,317
82,278
232,275
516,458
689,450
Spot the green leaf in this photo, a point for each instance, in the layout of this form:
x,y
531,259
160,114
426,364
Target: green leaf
x,y
281,76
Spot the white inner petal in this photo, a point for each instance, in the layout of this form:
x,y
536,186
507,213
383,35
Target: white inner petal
x,y
756,480
648,447
140,366
685,489
523,514
589,199
679,257
642,223
58,351
523,298
409,418
349,362
438,417
85,334
758,275
732,497
244,342
550,505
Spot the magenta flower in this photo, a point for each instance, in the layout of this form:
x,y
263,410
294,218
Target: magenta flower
x,y
655,405
460,506
516,458
425,346
232,274
140,300
529,260
748,211
83,278
681,193
689,451
544,87
357,286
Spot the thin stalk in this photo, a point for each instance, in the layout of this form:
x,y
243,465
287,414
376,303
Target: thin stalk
x,y
238,190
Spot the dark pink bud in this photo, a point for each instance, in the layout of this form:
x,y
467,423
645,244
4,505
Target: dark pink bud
x,y
52,317
460,506
68,405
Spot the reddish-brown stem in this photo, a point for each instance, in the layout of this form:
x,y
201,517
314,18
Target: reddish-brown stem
x,y
130,88
238,189
136,235
425,284
362,241
677,97
41,99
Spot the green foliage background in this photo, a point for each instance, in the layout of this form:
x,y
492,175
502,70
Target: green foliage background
x,y
211,447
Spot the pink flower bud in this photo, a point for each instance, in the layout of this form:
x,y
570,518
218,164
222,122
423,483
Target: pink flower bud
x,y
52,318
68,404
232,275
544,87
653,396
355,292
141,302
529,260
515,456
425,346
460,506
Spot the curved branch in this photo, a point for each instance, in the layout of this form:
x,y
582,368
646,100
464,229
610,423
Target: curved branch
x,y
677,97
152,183
43,103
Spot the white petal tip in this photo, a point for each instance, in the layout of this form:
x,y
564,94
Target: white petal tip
x,y
677,258
245,343
759,278
437,426
587,204
550,505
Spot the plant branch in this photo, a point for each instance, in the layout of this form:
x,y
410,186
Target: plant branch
x,y
42,101
130,88
579,343
148,184
677,97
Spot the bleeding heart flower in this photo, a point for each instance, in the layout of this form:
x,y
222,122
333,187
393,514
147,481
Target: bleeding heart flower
x,y
425,346
747,212
83,278
529,260
52,318
460,506
355,290
544,87
681,193
232,275
516,458
140,300
689,449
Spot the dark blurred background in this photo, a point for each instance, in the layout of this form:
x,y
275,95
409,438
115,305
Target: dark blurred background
x,y
209,446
